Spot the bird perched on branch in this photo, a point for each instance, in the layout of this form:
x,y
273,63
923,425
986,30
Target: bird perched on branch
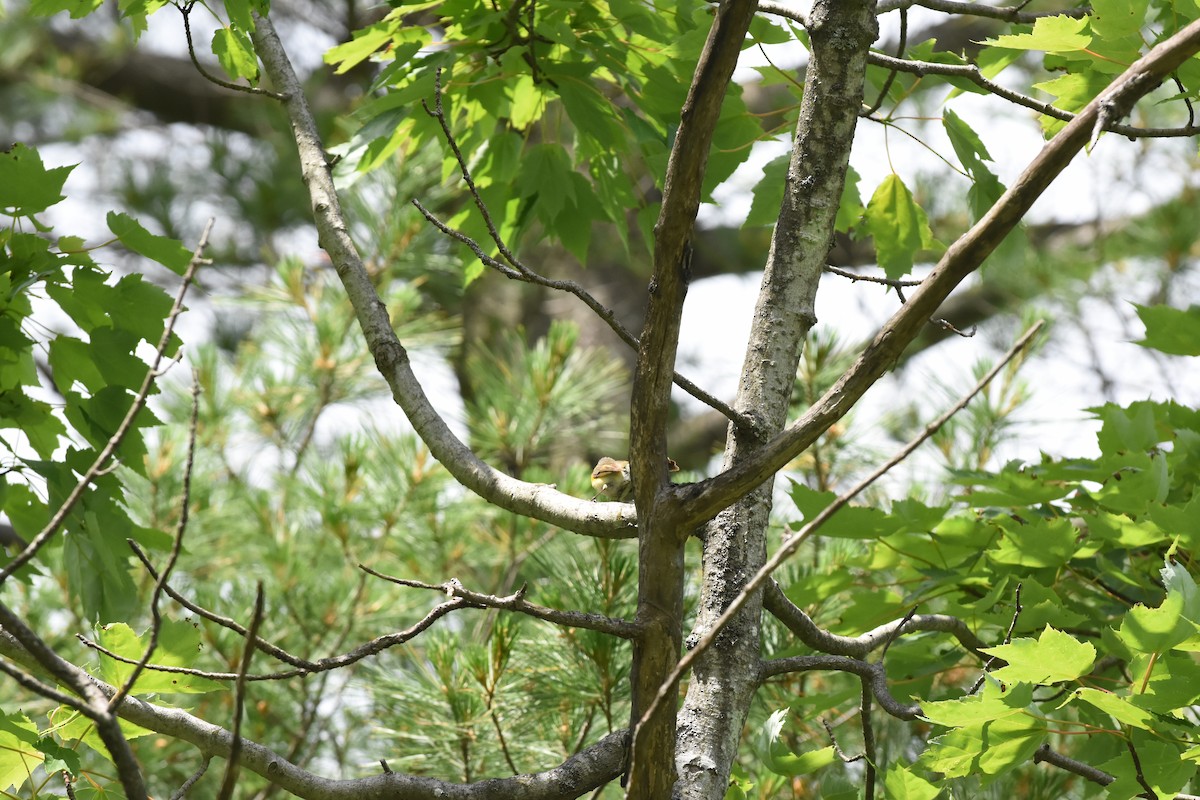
x,y
611,479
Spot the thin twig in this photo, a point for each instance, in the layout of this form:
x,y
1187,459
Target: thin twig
x,y
891,78
515,269
516,602
837,748
792,543
185,8
855,277
868,733
187,785
373,647
229,782
176,548
139,401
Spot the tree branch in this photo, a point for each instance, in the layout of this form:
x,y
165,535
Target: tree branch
x,y
704,499
605,520
859,646
661,537
517,602
790,544
873,675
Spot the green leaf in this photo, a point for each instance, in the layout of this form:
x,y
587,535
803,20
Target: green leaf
x,y
1171,330
850,207
1117,19
591,112
1173,681
19,751
240,14
166,251
850,522
178,644
26,186
1127,429
77,8
901,784
768,192
235,53
1155,630
994,702
1057,34
899,227
989,748
1035,543
1159,764
546,174
1054,656
365,43
1119,708
967,145
780,759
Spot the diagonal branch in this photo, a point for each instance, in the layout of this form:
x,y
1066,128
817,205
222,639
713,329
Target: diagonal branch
x,y
703,500
792,543
540,501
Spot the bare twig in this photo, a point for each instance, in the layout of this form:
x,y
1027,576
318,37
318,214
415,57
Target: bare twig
x,y
868,733
192,780
891,78
185,9
837,748
229,781
373,647
1137,768
873,674
855,277
1045,754
176,547
1012,626
516,602
139,401
791,544
515,269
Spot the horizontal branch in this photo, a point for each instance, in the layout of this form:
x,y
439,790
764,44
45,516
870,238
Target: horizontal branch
x,y
588,769
816,637
516,602
873,674
971,9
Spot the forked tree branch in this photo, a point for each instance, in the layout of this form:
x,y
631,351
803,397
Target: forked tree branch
x,y
703,500
793,542
539,501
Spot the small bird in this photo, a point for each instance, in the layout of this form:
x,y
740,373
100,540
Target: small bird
x,y
611,479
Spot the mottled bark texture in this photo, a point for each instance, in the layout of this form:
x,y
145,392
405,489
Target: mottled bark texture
x,y
734,543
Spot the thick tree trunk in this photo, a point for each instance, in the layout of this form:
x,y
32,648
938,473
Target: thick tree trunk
x,y
726,677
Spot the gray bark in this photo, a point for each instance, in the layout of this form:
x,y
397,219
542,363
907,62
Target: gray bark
x,y
725,678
